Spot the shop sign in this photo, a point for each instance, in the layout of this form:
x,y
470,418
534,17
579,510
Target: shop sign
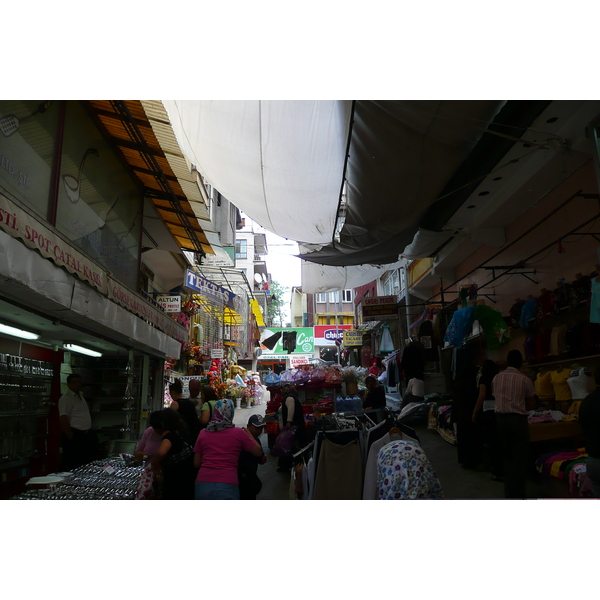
x,y
18,223
379,308
305,341
216,352
299,361
132,302
353,338
210,290
328,335
170,304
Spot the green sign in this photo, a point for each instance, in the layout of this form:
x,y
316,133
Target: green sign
x,y
304,341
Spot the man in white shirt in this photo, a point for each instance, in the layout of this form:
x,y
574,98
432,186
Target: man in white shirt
x,y
79,443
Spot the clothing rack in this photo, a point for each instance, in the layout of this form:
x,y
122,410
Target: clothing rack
x,y
303,450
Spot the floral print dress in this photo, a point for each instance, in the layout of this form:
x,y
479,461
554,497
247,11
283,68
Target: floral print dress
x,y
405,473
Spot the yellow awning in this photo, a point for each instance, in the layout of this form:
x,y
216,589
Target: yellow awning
x,y
257,312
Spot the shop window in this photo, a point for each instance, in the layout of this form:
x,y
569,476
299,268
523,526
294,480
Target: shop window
x,y
99,203
28,131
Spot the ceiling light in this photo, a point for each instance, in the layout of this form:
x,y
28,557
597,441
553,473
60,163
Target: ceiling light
x,y
82,350
20,333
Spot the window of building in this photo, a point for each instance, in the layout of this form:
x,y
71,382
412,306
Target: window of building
x,y
99,203
334,296
321,297
241,249
347,296
29,129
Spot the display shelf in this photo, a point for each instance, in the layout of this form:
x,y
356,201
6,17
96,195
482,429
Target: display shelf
x,y
29,413
562,361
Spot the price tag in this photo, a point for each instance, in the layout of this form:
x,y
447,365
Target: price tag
x,y
109,469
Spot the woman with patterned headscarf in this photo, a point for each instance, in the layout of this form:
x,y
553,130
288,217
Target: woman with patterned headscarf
x,y
217,453
405,473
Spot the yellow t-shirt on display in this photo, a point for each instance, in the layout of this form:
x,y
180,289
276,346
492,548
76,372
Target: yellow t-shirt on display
x,y
543,385
562,391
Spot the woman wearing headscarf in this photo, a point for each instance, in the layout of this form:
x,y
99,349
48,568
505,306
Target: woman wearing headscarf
x,y
217,453
405,473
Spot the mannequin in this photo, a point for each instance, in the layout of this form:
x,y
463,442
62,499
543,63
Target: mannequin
x,y
528,311
544,388
582,384
562,391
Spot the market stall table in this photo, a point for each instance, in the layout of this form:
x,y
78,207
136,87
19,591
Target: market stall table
x,y
110,479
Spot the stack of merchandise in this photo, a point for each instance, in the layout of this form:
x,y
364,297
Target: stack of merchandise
x,y
271,413
323,407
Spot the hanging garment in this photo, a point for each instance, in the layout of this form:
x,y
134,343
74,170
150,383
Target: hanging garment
x,y
561,296
339,472
595,301
493,324
562,391
558,343
529,348
590,339
581,383
460,325
427,338
386,344
573,337
580,291
545,305
370,484
542,345
528,312
405,473
515,313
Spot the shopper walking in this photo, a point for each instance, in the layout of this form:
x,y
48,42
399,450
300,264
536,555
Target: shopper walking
x,y
173,462
209,398
291,415
485,413
515,395
185,407
249,482
151,438
589,417
217,454
78,441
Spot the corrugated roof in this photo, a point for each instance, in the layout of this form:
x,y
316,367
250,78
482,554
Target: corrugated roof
x,y
142,132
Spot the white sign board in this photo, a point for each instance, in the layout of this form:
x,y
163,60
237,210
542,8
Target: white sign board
x,y
297,361
171,304
216,353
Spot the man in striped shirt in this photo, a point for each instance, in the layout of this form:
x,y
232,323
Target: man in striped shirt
x,y
515,395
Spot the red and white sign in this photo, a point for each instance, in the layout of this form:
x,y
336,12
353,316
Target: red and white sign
x,y
327,335
298,361
20,224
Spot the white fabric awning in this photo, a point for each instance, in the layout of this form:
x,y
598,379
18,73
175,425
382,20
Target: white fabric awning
x,y
317,279
280,162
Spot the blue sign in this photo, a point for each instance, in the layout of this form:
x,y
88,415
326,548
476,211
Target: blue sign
x,y
210,290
